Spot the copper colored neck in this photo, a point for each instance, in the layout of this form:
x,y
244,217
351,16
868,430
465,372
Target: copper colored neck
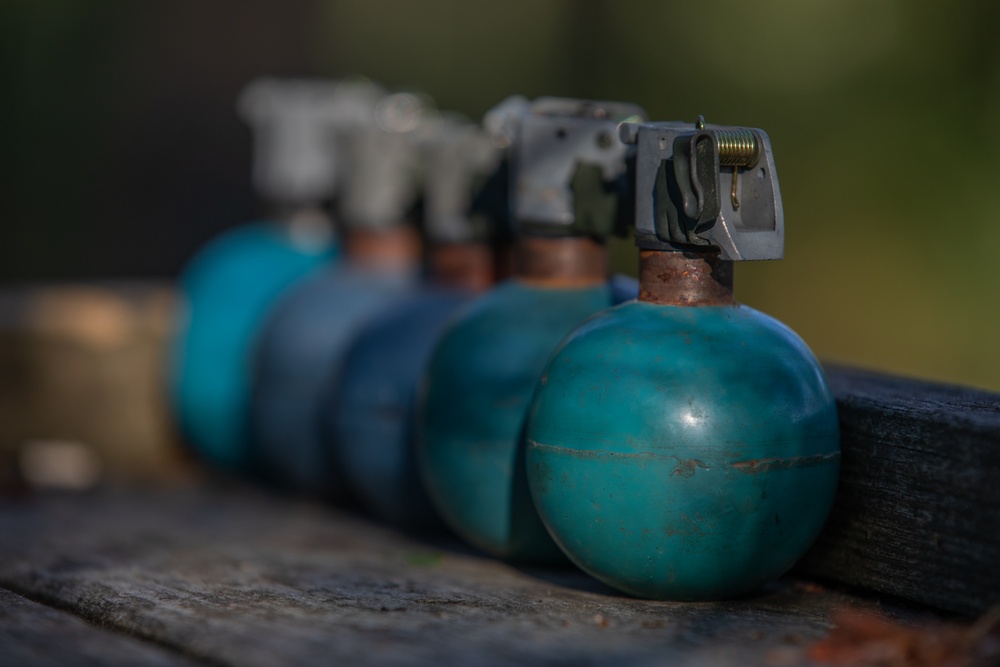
x,y
504,260
685,279
469,266
395,247
561,262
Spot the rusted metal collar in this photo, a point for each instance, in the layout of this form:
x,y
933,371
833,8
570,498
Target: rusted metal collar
x,y
569,261
672,278
468,266
393,247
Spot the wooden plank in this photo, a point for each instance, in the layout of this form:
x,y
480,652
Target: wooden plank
x,y
918,510
33,635
218,573
235,577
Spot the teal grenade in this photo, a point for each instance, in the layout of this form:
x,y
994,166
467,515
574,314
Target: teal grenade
x,y
306,334
684,446
228,286
568,176
369,420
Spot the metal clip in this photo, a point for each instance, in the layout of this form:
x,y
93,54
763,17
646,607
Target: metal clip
x,y
679,180
382,186
569,167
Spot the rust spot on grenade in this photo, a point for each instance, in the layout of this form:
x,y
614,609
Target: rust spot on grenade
x,y
686,467
763,465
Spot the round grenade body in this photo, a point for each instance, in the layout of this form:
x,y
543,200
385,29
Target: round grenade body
x,y
475,397
369,425
300,349
226,292
683,453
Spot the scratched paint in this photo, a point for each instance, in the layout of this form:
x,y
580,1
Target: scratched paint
x,y
687,467
683,453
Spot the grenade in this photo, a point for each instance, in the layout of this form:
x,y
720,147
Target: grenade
x,y
567,174
683,446
369,420
228,286
308,330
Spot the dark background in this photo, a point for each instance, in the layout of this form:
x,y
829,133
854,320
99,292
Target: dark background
x,y
121,152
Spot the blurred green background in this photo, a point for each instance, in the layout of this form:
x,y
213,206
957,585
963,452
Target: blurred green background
x,y
121,152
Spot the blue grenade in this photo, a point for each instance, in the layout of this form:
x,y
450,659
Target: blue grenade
x,y
683,446
369,421
568,175
308,331
228,286
623,288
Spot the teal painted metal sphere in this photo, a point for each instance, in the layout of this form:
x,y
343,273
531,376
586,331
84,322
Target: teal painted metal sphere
x,y
299,352
683,453
226,291
369,424
476,393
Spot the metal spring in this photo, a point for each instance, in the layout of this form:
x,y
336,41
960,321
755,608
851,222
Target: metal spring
x,y
738,147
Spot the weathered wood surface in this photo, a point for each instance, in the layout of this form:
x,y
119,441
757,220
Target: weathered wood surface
x,y
33,635
917,513
233,577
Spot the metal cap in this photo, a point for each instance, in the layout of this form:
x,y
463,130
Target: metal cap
x,y
458,157
381,185
503,122
569,167
700,186
296,124
491,201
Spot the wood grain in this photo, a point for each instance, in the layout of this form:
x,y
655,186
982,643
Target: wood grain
x,y
237,578
224,574
33,635
918,509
